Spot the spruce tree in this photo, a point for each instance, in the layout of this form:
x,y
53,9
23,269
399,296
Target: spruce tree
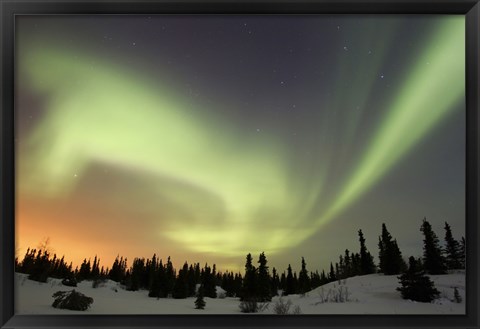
x,y
180,289
200,302
136,273
348,266
462,253
303,279
208,283
391,261
264,292
290,282
367,266
433,260
249,289
452,250
416,285
84,273
275,283
95,268
331,274
323,278
169,277
162,281
192,284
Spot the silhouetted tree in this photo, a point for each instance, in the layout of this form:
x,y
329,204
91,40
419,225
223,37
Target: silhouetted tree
x,y
136,273
416,285
391,261
452,250
169,277
180,289
331,275
433,260
367,266
200,301
192,283
264,292
275,283
462,252
40,267
290,282
303,279
249,280
118,270
208,282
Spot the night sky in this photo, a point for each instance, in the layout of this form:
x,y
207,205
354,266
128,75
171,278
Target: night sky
x,y
208,137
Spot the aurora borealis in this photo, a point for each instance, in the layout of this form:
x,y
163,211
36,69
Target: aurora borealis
x,y
208,137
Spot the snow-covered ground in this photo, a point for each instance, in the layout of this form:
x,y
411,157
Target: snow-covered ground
x,y
369,294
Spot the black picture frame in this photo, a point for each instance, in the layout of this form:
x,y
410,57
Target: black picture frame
x,y
10,8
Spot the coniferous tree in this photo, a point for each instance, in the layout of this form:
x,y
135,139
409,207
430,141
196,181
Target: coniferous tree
x,y
152,272
323,278
136,273
290,282
264,292
331,275
40,267
367,266
315,280
275,283
283,282
462,253
95,274
238,280
249,288
433,260
180,289
200,302
356,263
28,261
169,277
84,272
416,285
162,281
117,272
208,282
154,278
304,284
452,250
342,271
391,261
295,282
192,284
348,266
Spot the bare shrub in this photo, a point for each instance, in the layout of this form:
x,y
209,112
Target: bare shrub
x,y
282,307
297,310
338,295
252,306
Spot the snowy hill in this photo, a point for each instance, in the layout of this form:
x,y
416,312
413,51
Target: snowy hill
x,y
369,294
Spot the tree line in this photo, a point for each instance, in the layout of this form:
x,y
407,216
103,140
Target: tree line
x,y
257,283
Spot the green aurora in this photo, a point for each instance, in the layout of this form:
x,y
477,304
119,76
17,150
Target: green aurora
x,y
208,184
